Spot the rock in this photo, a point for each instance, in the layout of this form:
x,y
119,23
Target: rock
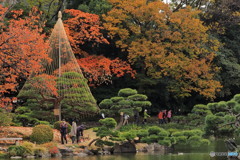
x,y
66,151
80,154
33,157
126,147
109,149
15,157
88,152
56,155
150,148
45,155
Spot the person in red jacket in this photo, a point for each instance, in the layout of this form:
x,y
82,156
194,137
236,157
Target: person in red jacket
x,y
160,117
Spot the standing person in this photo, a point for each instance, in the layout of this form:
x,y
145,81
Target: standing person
x,y
80,131
126,117
145,116
169,115
164,116
136,116
103,115
160,117
63,131
73,132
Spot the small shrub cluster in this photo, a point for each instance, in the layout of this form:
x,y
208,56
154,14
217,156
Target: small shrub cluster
x,y
27,149
42,134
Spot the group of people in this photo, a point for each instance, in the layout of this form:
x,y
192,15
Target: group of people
x,y
164,116
75,133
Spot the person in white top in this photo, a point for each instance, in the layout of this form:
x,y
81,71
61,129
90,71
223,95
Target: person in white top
x,y
126,117
73,132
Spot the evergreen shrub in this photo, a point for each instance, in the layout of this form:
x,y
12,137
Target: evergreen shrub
x,y
42,134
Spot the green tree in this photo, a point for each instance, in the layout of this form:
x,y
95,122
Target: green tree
x,y
98,7
171,45
223,18
128,102
46,92
225,118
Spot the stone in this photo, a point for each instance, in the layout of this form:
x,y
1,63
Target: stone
x,y
32,157
66,151
15,157
126,147
88,152
81,154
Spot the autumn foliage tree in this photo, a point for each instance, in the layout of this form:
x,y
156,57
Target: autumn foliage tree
x,y
99,69
22,47
171,45
85,28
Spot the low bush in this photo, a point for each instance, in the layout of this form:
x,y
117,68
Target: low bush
x,y
29,148
42,134
40,151
17,151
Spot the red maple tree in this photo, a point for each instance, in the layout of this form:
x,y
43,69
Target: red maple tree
x,y
22,48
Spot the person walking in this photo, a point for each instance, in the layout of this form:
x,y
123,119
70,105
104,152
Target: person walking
x,y
63,131
126,117
169,115
145,116
80,131
73,132
160,117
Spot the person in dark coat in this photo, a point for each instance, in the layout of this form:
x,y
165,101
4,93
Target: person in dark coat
x,y
80,131
63,131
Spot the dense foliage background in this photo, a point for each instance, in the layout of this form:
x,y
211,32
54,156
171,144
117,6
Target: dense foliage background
x,y
178,55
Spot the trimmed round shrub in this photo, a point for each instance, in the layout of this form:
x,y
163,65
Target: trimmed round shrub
x,y
42,134
142,133
138,97
127,92
108,122
177,134
237,98
195,141
56,125
114,99
129,135
154,130
105,104
181,139
165,142
164,134
205,142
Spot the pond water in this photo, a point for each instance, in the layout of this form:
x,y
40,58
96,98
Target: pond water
x,y
182,153
141,156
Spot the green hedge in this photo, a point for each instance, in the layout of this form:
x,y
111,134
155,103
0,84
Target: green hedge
x,y
42,134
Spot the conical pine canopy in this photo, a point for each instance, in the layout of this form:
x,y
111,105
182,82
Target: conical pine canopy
x,y
61,82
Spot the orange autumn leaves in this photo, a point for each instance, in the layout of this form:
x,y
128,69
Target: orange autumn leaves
x,y
22,48
172,45
85,28
99,69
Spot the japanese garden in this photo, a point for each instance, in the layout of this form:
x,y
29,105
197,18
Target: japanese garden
x,y
120,79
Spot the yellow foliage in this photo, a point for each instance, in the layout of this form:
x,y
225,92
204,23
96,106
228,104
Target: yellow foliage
x,y
171,44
